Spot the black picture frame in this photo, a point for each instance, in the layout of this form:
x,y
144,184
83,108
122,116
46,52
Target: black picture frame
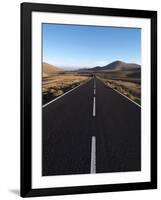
x,y
26,106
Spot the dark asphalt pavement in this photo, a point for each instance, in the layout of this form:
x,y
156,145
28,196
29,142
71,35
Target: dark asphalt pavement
x,y
69,124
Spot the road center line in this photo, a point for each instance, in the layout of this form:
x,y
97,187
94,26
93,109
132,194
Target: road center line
x,y
94,99
94,91
93,155
94,106
94,84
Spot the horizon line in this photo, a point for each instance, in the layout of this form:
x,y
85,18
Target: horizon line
x,y
84,67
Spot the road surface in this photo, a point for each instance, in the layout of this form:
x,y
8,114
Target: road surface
x,y
92,129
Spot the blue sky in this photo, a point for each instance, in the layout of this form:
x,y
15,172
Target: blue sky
x,y
74,46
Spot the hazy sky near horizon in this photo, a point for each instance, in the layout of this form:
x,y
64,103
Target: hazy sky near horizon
x,y
75,46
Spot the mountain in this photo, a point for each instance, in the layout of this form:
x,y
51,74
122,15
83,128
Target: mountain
x,y
114,66
49,69
119,65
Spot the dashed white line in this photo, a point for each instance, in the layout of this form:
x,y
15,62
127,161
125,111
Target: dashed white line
x,y
93,155
94,91
94,99
94,83
94,106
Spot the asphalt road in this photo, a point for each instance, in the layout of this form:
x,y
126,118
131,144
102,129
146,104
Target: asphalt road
x,y
92,129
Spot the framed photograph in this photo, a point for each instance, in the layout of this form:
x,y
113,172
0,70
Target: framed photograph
x,y
88,99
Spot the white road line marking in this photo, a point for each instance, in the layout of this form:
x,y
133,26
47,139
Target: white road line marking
x,y
93,155
94,91
64,94
94,106
125,97
122,94
94,83
94,99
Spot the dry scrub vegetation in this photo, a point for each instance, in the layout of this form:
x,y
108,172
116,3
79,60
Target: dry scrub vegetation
x,y
59,83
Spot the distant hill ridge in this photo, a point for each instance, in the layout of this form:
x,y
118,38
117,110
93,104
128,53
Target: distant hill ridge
x,y
115,66
119,65
49,69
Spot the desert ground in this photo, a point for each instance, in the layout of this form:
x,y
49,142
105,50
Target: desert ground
x,y
56,82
